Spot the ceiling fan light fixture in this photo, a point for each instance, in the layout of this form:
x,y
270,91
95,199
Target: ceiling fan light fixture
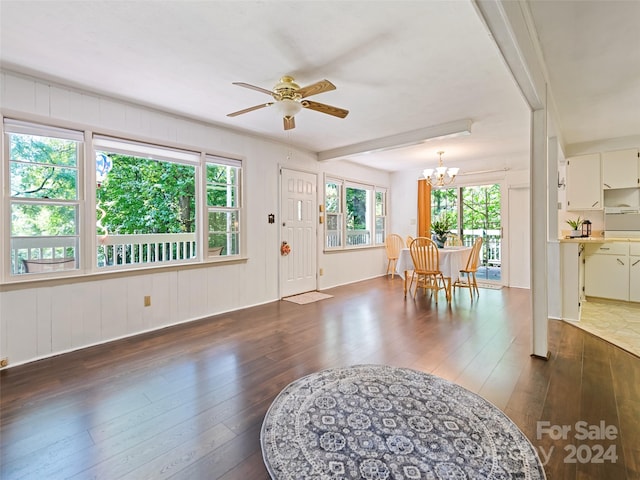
x,y
288,107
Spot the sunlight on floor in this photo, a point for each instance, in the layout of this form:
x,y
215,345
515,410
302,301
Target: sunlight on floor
x,y
618,323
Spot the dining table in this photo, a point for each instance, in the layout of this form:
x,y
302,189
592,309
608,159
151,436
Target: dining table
x,y
450,259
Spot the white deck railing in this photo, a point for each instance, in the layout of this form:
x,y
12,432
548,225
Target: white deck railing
x,y
145,248
112,250
354,237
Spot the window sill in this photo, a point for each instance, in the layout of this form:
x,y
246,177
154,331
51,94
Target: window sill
x,y
351,249
70,277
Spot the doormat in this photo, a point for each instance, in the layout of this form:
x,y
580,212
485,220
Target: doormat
x,y
490,286
308,297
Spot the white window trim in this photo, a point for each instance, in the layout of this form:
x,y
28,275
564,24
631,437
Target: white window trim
x,y
344,183
86,186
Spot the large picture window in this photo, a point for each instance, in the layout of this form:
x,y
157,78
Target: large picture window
x,y
154,205
44,197
355,214
145,203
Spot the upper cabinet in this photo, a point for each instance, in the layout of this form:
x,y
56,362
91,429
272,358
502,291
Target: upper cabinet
x,y
584,182
621,169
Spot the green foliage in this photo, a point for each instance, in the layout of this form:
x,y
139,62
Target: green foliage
x,y
356,208
443,224
444,201
575,224
481,207
43,168
147,196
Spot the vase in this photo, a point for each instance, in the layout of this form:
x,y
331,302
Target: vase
x,y
439,240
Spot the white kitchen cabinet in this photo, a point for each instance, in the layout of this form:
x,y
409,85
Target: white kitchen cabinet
x,y
607,271
634,272
621,169
584,182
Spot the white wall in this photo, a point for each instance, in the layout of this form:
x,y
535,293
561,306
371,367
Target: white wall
x,y
404,210
50,317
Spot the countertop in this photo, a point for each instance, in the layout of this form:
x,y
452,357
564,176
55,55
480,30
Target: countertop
x,y
598,239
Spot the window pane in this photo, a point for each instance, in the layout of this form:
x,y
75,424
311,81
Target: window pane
x,y
145,210
34,219
380,210
222,185
44,232
332,197
29,180
380,229
223,232
334,230
140,195
444,203
358,217
52,151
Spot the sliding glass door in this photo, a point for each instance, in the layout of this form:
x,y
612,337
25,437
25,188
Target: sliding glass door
x,y
475,212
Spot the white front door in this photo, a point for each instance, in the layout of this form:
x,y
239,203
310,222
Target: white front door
x,y
299,218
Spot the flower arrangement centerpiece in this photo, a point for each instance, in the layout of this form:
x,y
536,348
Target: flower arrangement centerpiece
x,y
441,228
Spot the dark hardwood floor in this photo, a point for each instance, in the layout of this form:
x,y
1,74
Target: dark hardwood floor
x,y
187,402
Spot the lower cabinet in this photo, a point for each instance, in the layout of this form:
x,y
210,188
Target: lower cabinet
x,y
607,273
634,272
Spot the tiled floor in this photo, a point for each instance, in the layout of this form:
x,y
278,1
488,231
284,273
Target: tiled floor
x,y
618,323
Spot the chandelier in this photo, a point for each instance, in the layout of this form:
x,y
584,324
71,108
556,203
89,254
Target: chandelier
x,y
438,177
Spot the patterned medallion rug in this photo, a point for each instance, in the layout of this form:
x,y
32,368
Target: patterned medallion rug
x,y
378,422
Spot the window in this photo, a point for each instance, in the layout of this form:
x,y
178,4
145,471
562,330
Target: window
x,y
355,214
475,211
381,215
223,206
154,205
44,197
145,203
333,208
444,203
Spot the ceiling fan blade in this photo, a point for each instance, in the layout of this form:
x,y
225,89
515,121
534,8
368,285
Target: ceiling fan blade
x,y
250,109
253,87
289,123
321,107
316,88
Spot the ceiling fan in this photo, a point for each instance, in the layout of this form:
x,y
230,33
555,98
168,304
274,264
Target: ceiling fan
x,y
290,98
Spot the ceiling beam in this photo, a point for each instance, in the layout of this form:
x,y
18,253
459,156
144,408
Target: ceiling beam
x,y
414,137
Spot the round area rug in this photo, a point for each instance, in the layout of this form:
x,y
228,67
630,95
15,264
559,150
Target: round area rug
x,y
377,422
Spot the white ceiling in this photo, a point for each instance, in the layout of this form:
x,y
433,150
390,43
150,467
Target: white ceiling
x,y
398,66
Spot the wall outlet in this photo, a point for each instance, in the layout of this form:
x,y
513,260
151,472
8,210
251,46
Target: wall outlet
x,y
4,362
321,271
147,300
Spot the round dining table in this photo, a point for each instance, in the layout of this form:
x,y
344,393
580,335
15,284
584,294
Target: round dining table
x,y
451,260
